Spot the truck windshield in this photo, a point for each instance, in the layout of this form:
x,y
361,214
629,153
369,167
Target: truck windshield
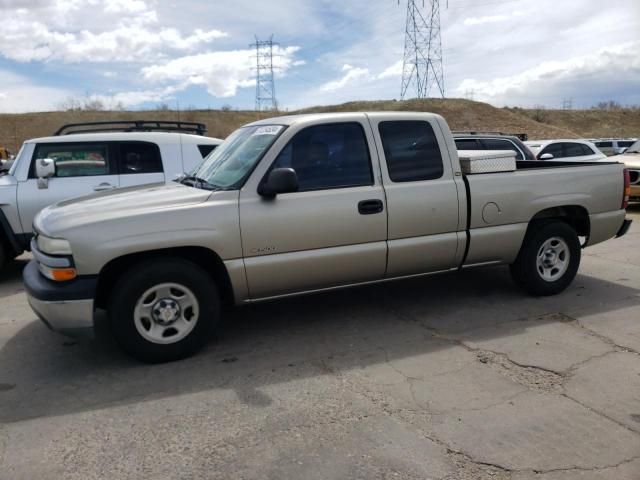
x,y
235,158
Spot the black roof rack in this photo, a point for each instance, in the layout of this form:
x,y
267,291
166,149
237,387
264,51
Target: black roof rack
x,y
522,136
133,126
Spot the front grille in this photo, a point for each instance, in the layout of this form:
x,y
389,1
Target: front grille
x,y
634,176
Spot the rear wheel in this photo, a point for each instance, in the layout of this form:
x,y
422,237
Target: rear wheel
x,y
164,310
3,254
548,260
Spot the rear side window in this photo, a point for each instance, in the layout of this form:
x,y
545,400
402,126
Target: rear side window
x,y
497,144
467,144
625,144
587,150
411,150
328,156
77,159
139,157
206,149
574,150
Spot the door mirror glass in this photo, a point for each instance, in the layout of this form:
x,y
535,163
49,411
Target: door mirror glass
x,y
45,169
280,180
546,156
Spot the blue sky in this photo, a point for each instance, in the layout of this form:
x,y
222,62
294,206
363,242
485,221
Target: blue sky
x,y
140,53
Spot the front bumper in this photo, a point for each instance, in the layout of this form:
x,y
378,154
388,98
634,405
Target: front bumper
x,y
65,307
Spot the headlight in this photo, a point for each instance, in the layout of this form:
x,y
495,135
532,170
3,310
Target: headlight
x,y
53,246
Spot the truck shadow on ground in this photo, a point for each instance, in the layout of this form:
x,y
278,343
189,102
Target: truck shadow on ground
x,y
42,374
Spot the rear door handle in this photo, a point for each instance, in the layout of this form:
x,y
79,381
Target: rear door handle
x,y
370,207
103,186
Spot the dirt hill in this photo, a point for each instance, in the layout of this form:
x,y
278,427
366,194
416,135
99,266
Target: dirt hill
x,y
461,115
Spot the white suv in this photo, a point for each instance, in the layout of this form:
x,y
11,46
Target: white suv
x,y
566,150
88,158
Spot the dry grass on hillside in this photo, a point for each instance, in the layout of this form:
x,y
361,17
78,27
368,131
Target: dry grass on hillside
x,y
461,115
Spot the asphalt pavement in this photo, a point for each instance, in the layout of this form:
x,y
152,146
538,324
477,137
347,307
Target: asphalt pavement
x,y
458,376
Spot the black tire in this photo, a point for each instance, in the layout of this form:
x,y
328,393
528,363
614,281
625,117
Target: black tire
x,y
131,287
527,273
3,254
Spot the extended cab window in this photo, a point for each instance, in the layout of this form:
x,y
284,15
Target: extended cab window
x,y
411,150
140,157
328,156
76,159
498,144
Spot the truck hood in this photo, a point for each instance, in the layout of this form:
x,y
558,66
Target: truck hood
x,y
630,160
119,203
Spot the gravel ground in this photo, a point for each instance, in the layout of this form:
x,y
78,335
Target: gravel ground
x,y
458,376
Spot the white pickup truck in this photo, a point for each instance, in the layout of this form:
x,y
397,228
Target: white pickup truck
x,y
299,204
92,157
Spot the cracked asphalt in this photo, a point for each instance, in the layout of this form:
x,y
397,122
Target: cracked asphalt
x,y
458,376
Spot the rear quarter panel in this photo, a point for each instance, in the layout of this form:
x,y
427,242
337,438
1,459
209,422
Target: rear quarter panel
x,y
520,195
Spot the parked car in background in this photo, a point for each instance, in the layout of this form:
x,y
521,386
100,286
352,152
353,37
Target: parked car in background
x,y
492,141
611,147
567,150
631,160
305,203
86,158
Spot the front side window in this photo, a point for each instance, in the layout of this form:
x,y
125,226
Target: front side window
x,y
77,160
328,156
411,150
554,149
604,144
140,157
234,159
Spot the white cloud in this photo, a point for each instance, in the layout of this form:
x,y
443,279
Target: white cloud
x,y
394,70
129,31
222,73
486,19
614,70
18,94
351,75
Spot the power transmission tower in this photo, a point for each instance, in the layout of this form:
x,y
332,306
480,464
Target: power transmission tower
x,y
567,104
265,81
422,65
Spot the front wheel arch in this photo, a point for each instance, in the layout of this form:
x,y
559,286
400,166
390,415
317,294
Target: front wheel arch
x,y
206,258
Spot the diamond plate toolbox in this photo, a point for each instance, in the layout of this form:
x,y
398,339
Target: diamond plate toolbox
x,y
487,161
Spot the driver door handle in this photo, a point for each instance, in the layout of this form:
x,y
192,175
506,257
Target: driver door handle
x,y
370,207
103,186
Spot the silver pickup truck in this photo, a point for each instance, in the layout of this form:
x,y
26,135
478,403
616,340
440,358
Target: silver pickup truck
x,y
306,203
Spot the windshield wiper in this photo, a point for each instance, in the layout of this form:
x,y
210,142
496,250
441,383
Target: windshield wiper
x,y
195,182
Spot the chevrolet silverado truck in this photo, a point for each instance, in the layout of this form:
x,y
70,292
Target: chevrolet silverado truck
x,y
308,203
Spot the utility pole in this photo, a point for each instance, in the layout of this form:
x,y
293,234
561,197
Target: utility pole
x,y
422,63
265,80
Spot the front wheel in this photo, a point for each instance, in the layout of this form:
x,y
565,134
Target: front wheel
x,y
164,310
548,260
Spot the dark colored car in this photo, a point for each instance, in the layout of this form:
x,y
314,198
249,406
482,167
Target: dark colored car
x,y
481,141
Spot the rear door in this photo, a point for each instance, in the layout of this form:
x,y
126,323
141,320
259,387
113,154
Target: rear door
x,y
139,163
82,168
422,197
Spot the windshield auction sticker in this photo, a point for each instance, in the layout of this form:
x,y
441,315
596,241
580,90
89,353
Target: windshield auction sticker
x,y
268,130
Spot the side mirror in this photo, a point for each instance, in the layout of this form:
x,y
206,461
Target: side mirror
x,y
45,169
546,156
280,180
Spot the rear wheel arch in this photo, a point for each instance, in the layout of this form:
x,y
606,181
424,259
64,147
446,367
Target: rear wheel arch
x,y
576,216
203,257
